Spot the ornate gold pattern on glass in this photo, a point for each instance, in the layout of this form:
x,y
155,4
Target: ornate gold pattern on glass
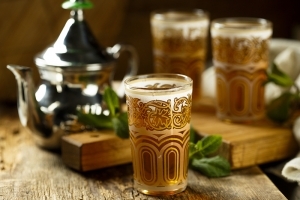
x,y
240,56
160,153
159,114
240,51
240,88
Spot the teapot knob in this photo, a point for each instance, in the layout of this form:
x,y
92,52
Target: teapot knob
x,y
77,4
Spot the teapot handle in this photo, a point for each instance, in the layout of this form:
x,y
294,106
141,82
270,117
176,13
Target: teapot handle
x,y
116,50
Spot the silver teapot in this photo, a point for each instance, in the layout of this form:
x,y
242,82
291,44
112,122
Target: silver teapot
x,y
74,71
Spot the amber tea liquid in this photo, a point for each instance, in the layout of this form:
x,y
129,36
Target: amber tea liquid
x,y
241,57
179,44
159,113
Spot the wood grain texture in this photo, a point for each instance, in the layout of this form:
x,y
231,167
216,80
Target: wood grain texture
x,y
29,172
95,150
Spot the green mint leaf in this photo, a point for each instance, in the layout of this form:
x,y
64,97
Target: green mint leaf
x,y
199,145
112,101
210,144
120,125
279,80
95,121
194,152
205,146
193,134
212,167
278,77
279,109
116,120
216,166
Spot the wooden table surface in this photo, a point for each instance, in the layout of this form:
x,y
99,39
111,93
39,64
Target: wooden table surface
x,y
29,172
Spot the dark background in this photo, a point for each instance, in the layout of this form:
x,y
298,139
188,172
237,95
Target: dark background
x,y
28,26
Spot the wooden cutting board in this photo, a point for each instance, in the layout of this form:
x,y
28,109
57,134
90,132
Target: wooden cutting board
x,y
243,144
247,144
95,150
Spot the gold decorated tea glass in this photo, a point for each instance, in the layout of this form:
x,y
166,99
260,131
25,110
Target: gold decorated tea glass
x,y
240,57
180,43
159,114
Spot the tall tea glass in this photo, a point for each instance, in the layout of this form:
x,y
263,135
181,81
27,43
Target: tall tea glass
x,y
180,43
159,114
240,57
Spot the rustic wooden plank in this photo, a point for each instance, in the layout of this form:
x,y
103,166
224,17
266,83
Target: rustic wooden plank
x,y
244,145
33,173
44,176
95,150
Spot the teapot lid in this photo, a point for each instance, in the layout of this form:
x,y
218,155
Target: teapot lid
x,y
76,46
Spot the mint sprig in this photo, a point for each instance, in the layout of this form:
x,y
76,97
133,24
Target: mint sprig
x,y
112,101
212,167
120,125
279,77
201,159
95,121
116,120
282,108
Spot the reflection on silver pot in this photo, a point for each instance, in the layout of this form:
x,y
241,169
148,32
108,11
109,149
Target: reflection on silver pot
x,y
74,71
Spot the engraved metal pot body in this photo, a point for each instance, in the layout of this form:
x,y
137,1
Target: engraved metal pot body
x,y
73,74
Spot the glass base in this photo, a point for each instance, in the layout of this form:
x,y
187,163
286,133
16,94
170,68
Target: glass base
x,y
160,190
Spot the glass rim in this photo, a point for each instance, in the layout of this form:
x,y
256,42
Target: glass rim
x,y
189,14
256,23
184,79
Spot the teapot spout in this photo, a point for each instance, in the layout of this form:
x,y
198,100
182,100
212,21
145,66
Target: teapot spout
x,y
26,91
